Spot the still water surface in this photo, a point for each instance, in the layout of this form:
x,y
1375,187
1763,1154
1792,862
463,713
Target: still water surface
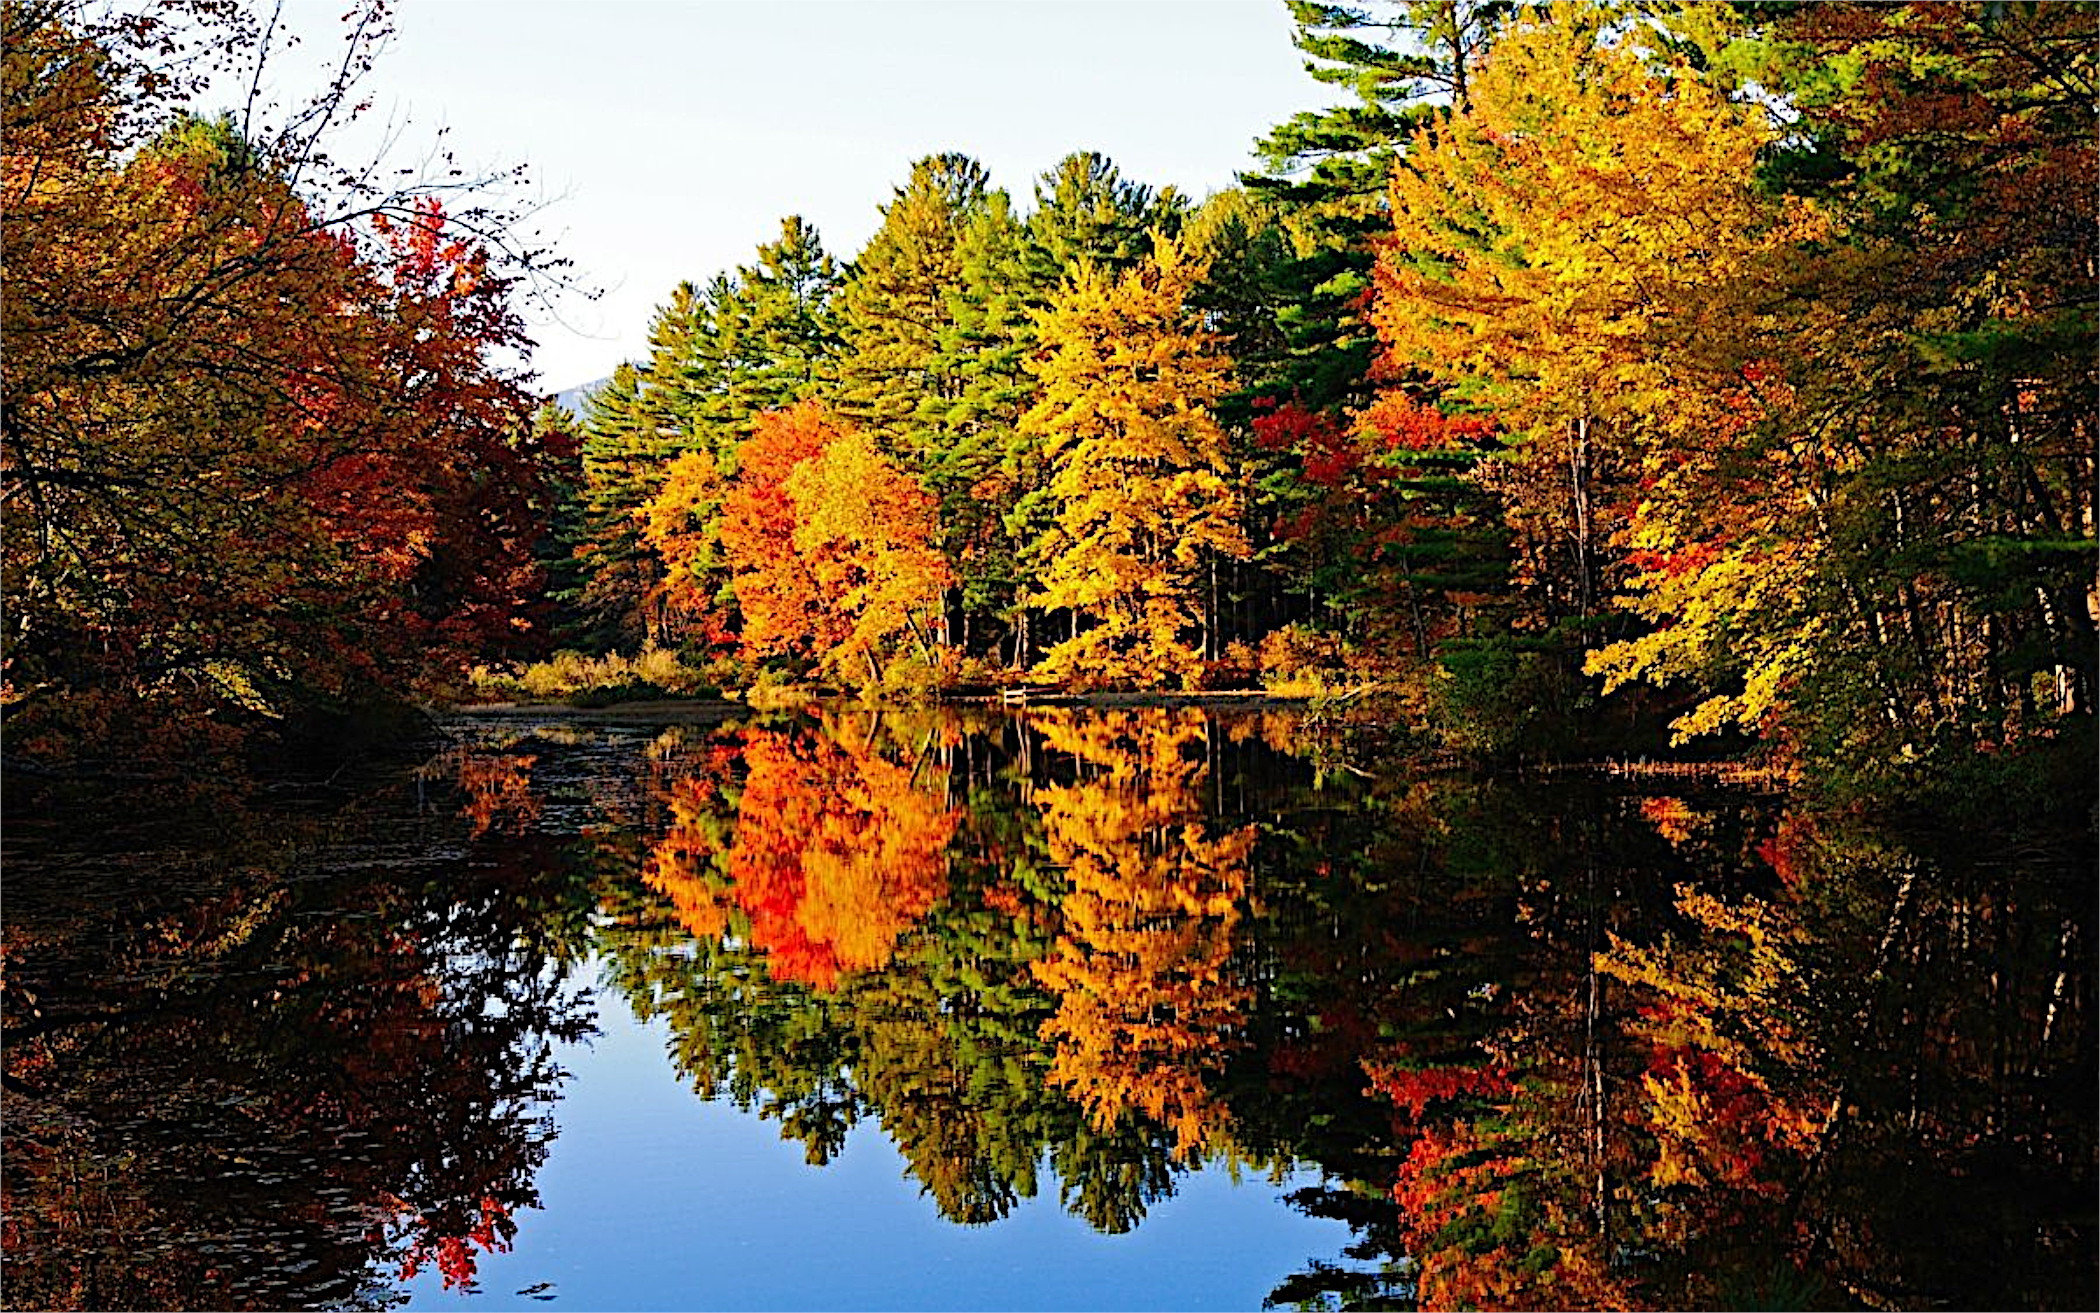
x,y
1069,1008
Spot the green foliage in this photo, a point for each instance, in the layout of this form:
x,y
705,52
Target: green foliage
x,y
720,356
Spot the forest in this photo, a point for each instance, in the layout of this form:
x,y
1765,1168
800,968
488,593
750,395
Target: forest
x,y
1707,379
1553,626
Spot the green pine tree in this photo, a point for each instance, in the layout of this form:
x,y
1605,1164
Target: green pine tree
x,y
719,356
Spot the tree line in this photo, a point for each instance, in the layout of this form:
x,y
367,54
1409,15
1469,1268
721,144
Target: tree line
x,y
1738,354
1727,367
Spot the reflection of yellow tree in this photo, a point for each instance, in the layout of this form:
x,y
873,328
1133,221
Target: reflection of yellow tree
x,y
1730,1091
836,851
1147,1010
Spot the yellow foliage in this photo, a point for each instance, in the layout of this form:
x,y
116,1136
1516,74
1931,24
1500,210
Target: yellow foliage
x,y
1590,240
866,529
1140,474
1147,1010
678,524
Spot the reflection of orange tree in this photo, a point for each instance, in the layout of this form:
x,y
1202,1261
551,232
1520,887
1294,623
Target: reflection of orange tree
x,y
1147,1010
837,851
498,789
943,1039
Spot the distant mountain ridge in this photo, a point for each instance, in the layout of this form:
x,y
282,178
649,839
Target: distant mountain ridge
x,y
572,399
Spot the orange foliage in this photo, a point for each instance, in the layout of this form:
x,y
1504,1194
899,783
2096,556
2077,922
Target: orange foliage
x,y
680,865
1147,1010
499,791
1486,1232
1672,818
837,851
831,544
779,596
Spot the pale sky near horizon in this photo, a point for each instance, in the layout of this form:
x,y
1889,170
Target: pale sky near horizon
x,y
674,136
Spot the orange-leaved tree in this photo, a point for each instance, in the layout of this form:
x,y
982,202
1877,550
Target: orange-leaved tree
x,y
777,594
830,545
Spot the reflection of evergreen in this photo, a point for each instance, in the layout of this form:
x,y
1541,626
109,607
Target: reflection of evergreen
x,y
770,1047
1958,973
949,1054
1487,991
1110,1178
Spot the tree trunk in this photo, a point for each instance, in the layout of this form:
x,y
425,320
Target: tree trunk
x,y
1579,477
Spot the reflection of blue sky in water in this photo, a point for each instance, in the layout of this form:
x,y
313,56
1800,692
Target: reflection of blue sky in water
x,y
655,1199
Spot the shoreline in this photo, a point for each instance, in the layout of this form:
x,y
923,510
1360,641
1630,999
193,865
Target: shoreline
x,y
1246,699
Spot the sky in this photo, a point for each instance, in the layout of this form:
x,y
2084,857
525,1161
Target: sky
x,y
652,1198
667,140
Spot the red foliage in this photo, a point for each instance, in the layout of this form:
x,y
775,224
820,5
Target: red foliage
x,y
1413,1090
1327,458
490,1232
1790,852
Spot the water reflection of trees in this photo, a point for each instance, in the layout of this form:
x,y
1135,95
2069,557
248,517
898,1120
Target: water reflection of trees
x,y
268,1075
1148,1010
1550,1043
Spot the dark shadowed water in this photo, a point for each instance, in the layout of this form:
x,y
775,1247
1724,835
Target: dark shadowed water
x,y
1061,1009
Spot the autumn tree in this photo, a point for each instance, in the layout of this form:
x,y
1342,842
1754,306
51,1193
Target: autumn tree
x,y
1144,505
262,449
1915,564
682,525
1670,365
778,595
867,530
826,545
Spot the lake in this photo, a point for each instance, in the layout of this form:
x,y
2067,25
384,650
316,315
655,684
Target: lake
x,y
1052,1008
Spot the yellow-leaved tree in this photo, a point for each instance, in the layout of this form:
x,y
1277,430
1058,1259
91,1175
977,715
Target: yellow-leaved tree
x,y
866,529
1139,473
682,525
1587,252
1148,1007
